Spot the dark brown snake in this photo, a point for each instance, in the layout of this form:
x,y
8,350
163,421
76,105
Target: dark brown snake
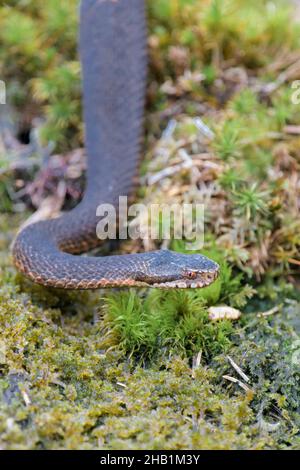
x,y
113,56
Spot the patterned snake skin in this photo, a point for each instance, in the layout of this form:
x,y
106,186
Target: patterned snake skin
x,y
113,56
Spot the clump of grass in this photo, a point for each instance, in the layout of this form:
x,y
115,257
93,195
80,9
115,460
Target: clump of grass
x,y
249,202
174,321
245,102
227,143
5,198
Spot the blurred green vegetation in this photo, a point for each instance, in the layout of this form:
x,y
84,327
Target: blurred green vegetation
x,y
39,61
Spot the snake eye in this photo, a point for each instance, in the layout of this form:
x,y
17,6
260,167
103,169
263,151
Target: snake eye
x,y
191,275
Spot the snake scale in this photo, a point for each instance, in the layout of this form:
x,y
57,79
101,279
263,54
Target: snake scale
x,y
112,49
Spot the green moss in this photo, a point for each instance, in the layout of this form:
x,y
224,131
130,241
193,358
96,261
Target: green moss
x,y
175,321
62,386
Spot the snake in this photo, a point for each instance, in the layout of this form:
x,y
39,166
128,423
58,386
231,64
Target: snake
x,y
113,55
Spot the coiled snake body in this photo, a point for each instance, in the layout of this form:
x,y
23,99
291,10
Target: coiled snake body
x,y
113,56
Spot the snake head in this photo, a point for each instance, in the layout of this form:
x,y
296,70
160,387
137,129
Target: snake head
x,y
167,269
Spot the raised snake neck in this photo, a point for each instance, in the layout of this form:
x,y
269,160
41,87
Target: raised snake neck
x,y
113,55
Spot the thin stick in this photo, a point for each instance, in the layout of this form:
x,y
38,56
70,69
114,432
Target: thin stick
x,y
238,369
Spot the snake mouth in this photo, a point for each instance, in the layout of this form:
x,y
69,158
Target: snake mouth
x,y
203,279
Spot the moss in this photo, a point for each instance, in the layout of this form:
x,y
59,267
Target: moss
x,y
176,321
61,387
